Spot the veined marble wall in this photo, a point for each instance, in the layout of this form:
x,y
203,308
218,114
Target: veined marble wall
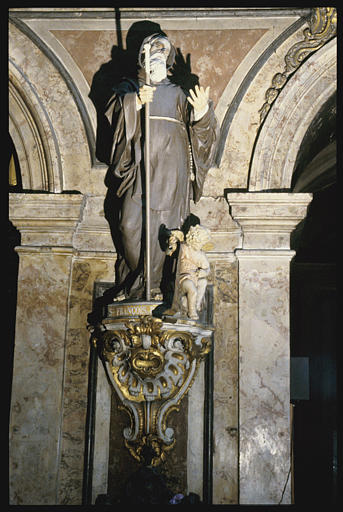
x,y
49,395
66,247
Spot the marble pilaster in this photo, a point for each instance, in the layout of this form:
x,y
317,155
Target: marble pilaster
x,y
50,377
46,223
264,355
87,267
37,387
225,390
267,220
225,236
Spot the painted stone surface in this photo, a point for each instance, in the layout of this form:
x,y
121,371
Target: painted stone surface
x,y
85,272
213,54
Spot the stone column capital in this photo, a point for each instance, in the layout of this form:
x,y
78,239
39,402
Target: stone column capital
x,y
61,220
45,219
264,254
267,218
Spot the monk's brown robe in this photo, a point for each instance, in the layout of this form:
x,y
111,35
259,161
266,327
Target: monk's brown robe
x,y
181,152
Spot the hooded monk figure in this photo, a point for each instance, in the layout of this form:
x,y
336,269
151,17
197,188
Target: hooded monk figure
x,y
183,132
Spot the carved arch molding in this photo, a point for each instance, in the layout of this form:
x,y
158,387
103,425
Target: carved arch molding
x,y
293,101
38,152
33,137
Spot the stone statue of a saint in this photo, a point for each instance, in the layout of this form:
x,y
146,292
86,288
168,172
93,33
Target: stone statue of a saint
x,y
183,132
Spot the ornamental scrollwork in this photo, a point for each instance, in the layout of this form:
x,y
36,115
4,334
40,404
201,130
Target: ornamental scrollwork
x,y
322,27
152,366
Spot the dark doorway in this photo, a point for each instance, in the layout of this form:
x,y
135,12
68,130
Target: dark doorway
x,y
313,319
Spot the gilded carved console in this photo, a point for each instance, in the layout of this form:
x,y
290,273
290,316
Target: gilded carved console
x,y
151,364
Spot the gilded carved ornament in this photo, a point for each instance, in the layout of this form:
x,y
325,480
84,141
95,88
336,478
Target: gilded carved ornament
x,y
322,27
152,365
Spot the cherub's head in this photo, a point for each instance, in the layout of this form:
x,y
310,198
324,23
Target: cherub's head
x,y
198,237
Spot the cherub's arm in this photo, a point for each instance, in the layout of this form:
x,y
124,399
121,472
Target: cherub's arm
x,y
175,237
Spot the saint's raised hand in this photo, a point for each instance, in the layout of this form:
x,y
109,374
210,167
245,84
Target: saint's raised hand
x,y
199,97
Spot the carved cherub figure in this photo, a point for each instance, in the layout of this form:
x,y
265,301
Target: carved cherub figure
x,y
192,270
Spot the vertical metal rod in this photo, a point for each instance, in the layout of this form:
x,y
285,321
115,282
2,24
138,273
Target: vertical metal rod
x,y
208,430
208,408
147,178
118,28
90,427
147,415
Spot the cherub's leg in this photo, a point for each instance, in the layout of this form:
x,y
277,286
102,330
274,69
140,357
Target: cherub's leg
x,y
184,302
190,291
202,283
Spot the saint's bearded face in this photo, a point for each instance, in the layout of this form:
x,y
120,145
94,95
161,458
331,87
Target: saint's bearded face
x,y
159,51
158,68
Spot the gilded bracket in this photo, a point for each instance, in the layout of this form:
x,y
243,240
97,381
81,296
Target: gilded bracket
x,y
152,365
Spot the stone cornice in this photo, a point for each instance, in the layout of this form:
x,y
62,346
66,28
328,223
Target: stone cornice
x,y
45,219
267,219
155,12
261,220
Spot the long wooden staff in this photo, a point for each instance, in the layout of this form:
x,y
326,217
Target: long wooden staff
x,y
147,177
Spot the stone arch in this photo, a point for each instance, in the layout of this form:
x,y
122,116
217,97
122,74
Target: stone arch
x,y
242,119
33,137
296,106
